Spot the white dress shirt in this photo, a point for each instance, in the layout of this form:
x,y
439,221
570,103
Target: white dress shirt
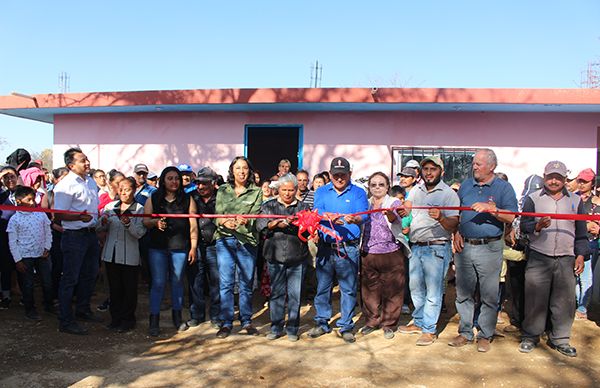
x,y
77,194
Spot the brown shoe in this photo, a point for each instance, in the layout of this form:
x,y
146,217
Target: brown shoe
x,y
459,341
426,339
483,345
410,329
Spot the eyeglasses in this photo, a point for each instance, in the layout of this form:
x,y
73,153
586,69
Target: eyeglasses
x,y
377,185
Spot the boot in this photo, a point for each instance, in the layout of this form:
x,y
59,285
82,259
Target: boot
x,y
177,321
154,329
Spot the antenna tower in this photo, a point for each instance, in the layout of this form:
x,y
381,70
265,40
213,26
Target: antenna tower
x,y
316,75
64,82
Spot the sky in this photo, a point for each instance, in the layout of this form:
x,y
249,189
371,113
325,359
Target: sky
x,y
152,45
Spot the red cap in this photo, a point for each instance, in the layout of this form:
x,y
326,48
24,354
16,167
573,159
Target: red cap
x,y
587,175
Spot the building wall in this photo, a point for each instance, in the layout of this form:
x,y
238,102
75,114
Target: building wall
x,y
524,142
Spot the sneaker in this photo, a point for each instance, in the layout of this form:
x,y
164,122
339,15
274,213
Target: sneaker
x,y
73,328
564,349
33,314
193,322
273,336
410,329
405,309
348,337
388,333
250,330
366,330
104,306
426,339
223,332
293,337
215,325
316,332
579,316
4,304
526,346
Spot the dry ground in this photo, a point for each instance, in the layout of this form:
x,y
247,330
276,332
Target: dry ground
x,y
37,355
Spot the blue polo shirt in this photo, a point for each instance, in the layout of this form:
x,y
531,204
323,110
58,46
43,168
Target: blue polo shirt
x,y
484,225
352,200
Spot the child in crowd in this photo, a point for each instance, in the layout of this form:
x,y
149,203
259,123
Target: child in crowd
x,y
30,240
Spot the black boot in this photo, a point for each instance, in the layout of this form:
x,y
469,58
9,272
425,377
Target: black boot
x,y
154,329
178,322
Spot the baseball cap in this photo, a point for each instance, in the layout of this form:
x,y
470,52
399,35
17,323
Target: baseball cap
x,y
413,164
407,171
587,175
140,167
185,168
532,183
339,165
556,167
206,174
152,175
435,159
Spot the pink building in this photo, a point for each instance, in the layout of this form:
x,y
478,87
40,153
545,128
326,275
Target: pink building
x,y
376,129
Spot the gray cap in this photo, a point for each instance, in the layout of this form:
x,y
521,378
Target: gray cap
x,y
413,164
407,171
556,167
206,174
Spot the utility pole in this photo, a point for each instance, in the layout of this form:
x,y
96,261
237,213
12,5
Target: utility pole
x,y
316,75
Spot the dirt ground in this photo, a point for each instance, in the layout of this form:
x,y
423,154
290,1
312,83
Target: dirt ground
x,y
37,355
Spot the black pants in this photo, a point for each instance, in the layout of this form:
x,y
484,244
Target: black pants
x,y
123,284
516,279
549,290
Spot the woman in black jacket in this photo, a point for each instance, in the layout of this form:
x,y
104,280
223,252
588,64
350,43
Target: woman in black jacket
x,y
286,255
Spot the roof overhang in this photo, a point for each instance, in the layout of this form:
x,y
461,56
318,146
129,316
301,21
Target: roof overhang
x,y
44,107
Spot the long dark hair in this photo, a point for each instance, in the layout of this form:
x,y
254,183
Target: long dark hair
x,y
230,177
162,191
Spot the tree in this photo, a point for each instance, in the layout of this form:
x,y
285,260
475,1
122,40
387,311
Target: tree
x,y
45,156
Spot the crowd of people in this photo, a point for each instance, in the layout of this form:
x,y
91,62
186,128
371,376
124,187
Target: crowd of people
x,y
398,255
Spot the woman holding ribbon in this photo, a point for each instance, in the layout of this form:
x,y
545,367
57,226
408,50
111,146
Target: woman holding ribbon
x,y
382,266
236,241
121,254
173,242
286,256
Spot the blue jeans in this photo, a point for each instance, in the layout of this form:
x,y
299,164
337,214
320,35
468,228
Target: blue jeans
x,y
428,266
81,253
43,267
478,264
161,263
232,254
345,268
583,289
205,268
291,277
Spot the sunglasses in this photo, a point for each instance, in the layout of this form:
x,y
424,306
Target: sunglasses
x,y
377,185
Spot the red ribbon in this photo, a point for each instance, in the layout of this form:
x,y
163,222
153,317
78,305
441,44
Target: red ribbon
x,y
310,221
